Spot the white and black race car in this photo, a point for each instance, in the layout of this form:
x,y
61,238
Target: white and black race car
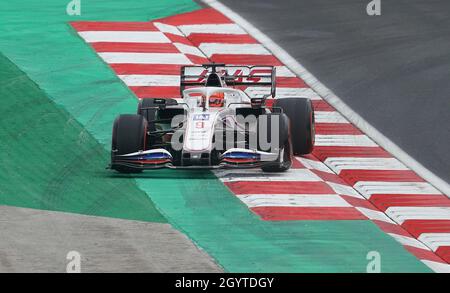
x,y
215,124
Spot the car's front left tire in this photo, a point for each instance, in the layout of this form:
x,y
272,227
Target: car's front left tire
x,y
129,136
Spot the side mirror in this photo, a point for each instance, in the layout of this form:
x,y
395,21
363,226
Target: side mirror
x,y
257,102
162,103
159,101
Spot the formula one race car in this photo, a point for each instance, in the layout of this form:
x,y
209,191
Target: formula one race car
x,y
215,124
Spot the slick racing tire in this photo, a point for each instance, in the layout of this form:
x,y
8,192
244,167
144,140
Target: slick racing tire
x,y
301,114
284,161
129,136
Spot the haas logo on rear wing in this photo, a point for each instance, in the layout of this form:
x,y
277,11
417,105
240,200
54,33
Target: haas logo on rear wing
x,y
232,75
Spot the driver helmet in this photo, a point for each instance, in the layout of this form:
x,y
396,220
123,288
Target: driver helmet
x,y
217,100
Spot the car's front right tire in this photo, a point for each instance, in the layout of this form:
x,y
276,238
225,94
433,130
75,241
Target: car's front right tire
x,y
284,149
301,115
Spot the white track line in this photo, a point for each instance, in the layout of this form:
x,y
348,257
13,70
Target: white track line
x,y
347,163
230,28
409,241
128,37
437,266
329,117
283,92
186,49
218,48
150,80
294,200
283,71
344,190
297,175
145,58
368,188
402,214
331,98
375,215
311,164
167,28
435,240
344,140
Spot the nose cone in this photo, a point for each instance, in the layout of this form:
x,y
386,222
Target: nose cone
x,y
199,132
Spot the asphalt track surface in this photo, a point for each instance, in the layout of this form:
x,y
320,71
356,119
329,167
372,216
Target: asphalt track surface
x,y
38,241
391,69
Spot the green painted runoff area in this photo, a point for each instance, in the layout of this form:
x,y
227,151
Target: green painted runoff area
x,y
50,162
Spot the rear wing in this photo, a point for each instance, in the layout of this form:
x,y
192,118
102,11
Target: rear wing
x,y
234,75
